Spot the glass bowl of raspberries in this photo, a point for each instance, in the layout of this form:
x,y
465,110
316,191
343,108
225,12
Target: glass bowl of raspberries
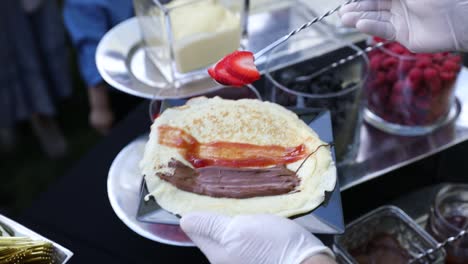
x,y
338,90
410,94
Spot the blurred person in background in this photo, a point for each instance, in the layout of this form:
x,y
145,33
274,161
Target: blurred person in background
x,y
35,74
87,21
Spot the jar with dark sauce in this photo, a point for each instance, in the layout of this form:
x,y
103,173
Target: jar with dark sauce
x,y
382,248
447,217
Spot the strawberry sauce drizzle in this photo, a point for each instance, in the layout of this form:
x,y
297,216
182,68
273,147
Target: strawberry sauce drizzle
x,y
228,154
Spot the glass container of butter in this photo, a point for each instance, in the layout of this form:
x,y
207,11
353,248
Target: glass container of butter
x,y
184,37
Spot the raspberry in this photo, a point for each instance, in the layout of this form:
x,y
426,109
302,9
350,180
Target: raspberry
x,y
450,65
378,39
448,76
422,90
435,85
437,67
455,58
438,57
390,62
415,76
398,87
380,78
392,76
423,62
398,49
376,62
430,74
420,56
372,85
396,100
406,66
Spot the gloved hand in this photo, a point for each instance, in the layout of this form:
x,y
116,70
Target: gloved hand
x,y
259,239
420,25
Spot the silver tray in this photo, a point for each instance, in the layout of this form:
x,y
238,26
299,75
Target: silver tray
x,y
19,230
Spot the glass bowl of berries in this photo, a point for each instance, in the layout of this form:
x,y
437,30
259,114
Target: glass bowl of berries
x,y
410,94
305,85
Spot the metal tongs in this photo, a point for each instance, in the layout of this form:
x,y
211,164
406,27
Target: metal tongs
x,y
439,246
273,45
306,78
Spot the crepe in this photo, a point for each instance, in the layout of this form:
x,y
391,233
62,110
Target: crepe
x,y
243,121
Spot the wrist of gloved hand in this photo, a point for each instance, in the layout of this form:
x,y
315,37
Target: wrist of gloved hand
x,y
259,239
421,26
319,259
316,254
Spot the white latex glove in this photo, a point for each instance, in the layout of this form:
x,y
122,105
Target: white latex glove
x,y
257,239
420,25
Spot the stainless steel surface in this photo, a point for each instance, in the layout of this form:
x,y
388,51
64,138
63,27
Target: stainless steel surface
x,y
64,254
279,41
380,153
123,189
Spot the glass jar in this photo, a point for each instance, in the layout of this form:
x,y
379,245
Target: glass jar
x,y
184,37
448,216
385,235
338,90
407,93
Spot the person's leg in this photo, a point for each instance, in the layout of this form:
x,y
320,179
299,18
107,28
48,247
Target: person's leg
x,y
101,115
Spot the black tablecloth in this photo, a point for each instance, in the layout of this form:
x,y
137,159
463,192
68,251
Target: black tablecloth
x,y
76,212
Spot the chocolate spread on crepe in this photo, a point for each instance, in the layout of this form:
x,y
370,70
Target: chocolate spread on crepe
x,y
232,182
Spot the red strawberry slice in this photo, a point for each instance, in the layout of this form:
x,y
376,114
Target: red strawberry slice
x,y
212,73
235,69
222,76
240,64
